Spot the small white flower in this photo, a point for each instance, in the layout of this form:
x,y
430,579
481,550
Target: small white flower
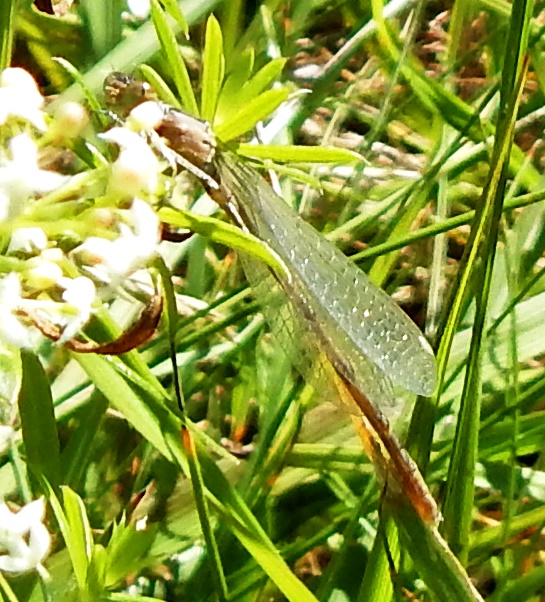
x,y
41,274
145,117
112,261
27,240
69,120
6,433
79,293
24,540
20,97
4,206
139,8
12,332
137,169
21,177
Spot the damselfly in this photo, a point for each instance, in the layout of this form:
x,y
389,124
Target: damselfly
x,y
340,323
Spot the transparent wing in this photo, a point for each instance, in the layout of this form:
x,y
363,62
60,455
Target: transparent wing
x,y
358,320
299,336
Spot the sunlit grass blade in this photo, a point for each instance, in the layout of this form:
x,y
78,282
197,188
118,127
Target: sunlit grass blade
x,y
188,444
223,233
38,421
174,10
245,119
524,200
7,31
178,69
213,69
480,260
298,154
242,87
75,528
103,24
159,86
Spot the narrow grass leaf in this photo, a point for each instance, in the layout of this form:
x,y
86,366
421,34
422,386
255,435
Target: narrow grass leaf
x,y
173,9
6,589
218,575
103,24
480,260
79,526
127,551
232,18
254,111
159,86
298,154
213,69
265,77
77,453
237,76
377,582
38,423
268,558
524,200
188,445
222,232
174,58
76,531
436,563
116,597
526,587
7,31
89,95
484,542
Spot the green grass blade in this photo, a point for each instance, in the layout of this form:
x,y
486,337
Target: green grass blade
x,y
223,233
103,24
7,30
238,76
377,582
213,69
480,259
298,154
189,447
173,56
445,576
240,87
174,10
205,518
38,421
159,86
247,117
76,531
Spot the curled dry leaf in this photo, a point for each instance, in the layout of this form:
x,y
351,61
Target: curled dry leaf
x,y
133,337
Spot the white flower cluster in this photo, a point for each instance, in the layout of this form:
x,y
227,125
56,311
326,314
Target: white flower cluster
x,y
104,211
69,239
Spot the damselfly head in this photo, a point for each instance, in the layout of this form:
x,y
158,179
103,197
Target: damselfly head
x,y
123,92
